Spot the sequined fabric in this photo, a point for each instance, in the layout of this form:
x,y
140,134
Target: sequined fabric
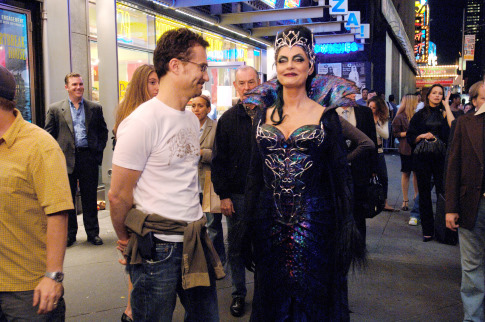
x,y
294,234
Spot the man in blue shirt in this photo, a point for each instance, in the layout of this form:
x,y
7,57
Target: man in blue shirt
x,y
78,126
363,101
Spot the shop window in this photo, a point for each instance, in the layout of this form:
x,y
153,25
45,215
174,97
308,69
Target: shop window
x,y
134,27
93,49
128,61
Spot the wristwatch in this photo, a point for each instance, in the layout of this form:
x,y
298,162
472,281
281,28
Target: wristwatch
x,y
56,276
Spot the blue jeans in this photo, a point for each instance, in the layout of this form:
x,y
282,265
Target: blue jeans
x,y
472,247
236,264
415,210
214,230
157,282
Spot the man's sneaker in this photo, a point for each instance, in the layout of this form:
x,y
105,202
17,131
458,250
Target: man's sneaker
x,y
413,221
237,306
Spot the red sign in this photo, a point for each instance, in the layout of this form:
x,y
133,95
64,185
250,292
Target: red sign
x,y
423,82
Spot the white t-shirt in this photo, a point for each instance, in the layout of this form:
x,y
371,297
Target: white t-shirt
x,y
162,143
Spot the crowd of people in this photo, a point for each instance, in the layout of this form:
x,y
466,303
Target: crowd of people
x,y
290,163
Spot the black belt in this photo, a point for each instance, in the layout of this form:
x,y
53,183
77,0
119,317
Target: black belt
x,y
82,149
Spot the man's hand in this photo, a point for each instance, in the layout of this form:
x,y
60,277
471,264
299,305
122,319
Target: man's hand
x,y
451,221
46,295
227,207
121,246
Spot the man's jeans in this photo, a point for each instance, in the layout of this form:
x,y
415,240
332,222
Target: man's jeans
x,y
472,247
415,210
17,306
157,282
214,230
236,264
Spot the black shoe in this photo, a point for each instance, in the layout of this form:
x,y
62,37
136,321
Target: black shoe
x,y
70,241
427,238
126,318
96,240
237,306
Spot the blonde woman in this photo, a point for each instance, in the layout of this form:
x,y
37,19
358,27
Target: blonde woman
x,y
400,126
142,87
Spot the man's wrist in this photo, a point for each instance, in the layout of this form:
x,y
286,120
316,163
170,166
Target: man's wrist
x,y
56,276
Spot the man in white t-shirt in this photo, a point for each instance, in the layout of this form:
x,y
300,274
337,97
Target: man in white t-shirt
x,y
155,170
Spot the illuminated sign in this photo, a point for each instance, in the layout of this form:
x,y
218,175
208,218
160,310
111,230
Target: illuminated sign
x,y
421,32
271,3
339,7
292,3
353,20
336,48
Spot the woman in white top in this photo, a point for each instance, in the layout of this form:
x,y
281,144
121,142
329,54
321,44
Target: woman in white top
x,y
381,118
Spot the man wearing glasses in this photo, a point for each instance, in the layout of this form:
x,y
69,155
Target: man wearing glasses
x,y
155,166
230,164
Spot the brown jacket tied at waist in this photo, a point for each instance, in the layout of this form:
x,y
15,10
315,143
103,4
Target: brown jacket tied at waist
x,y
194,265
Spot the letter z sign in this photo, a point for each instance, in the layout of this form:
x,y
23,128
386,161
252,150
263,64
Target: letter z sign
x,y
339,7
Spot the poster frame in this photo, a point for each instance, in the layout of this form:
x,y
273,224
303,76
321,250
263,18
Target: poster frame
x,y
30,60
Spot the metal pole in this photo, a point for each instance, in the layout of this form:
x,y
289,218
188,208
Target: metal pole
x,y
463,54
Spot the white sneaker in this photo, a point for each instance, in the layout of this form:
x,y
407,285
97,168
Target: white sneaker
x,y
413,221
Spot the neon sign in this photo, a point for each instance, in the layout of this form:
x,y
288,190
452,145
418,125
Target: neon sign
x,y
271,3
421,32
292,3
336,48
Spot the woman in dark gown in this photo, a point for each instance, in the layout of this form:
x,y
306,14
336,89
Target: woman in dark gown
x,y
299,193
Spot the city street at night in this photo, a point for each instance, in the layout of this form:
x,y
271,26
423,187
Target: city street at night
x,y
405,279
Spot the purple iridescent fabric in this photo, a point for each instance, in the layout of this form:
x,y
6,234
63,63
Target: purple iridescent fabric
x,y
327,90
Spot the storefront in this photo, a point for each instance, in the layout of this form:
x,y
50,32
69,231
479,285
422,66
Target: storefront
x,y
137,31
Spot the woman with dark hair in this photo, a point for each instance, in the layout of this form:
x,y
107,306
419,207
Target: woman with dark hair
x,y
432,124
381,119
142,87
298,195
400,126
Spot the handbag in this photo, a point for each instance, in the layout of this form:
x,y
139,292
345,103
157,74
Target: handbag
x,y
375,197
210,201
430,148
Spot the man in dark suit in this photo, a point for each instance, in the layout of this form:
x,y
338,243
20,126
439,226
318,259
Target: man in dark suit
x,y
465,207
78,126
363,166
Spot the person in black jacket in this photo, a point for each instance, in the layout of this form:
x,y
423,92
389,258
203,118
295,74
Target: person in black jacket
x,y
430,123
230,163
363,166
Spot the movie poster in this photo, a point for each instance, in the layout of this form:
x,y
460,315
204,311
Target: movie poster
x,y
14,56
354,72
330,69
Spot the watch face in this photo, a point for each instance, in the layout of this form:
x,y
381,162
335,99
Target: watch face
x,y
56,276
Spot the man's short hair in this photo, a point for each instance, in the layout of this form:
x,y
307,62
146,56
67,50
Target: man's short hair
x,y
66,79
246,67
6,105
454,96
473,91
391,98
175,43
364,89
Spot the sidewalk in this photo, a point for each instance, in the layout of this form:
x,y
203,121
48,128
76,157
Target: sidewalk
x,y
406,279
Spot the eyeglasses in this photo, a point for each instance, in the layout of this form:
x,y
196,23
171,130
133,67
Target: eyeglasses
x,y
203,67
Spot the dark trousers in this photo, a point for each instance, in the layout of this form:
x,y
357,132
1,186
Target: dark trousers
x,y
86,171
382,172
360,199
17,306
434,168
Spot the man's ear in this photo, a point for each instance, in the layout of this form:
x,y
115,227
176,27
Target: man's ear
x,y
65,86
174,65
